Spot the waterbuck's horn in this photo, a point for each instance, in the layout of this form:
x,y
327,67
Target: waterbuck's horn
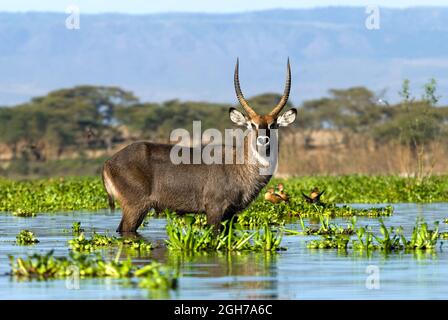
x,y
285,96
250,112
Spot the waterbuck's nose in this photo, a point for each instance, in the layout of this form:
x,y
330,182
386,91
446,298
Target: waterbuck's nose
x,y
262,140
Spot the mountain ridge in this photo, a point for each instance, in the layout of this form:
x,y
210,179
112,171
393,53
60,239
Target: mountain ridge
x,y
191,56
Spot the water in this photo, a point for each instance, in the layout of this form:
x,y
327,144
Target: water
x,y
298,273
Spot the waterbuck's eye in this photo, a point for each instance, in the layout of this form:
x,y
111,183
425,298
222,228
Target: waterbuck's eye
x,y
253,126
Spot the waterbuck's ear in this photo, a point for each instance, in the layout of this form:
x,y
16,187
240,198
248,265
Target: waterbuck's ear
x,y
287,118
237,117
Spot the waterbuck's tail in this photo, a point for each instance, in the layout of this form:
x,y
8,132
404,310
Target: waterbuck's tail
x,y
110,196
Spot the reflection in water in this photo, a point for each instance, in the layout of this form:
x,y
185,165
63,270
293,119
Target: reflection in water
x,y
249,275
298,273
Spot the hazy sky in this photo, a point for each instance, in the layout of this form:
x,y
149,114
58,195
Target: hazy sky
x,y
150,6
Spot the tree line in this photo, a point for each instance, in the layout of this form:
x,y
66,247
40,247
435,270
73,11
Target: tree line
x,y
97,118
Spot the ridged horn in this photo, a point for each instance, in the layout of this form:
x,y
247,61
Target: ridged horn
x,y
285,96
250,112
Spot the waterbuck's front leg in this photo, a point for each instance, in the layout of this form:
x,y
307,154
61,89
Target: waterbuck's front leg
x,y
133,216
217,213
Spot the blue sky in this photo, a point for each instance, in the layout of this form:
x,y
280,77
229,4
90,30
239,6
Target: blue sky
x,y
152,6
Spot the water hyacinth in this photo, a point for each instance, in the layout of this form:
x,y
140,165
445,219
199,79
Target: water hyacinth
x,y
188,235
76,228
26,237
390,239
23,213
337,242
66,194
43,267
325,228
97,241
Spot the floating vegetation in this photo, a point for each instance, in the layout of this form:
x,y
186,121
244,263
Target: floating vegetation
x,y
305,210
136,244
262,212
52,195
422,237
23,213
155,276
371,189
391,239
189,235
443,235
365,239
26,237
98,241
445,220
336,242
267,240
326,228
66,194
76,228
43,267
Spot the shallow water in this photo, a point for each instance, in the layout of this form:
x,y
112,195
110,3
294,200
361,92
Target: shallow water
x,y
298,273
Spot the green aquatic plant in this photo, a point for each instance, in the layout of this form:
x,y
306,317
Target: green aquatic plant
x,y
155,276
81,243
136,244
52,195
188,235
443,235
364,239
233,238
23,213
306,210
183,235
327,228
44,267
26,237
98,241
262,212
76,228
389,240
445,220
422,237
371,189
367,240
87,193
268,240
330,242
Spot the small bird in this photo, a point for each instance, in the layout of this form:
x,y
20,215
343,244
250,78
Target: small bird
x,y
282,193
273,197
314,196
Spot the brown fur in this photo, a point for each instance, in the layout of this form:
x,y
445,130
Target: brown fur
x,y
141,176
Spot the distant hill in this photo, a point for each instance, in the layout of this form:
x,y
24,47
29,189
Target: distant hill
x,y
192,56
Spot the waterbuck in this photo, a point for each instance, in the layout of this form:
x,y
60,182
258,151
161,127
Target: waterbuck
x,y
143,176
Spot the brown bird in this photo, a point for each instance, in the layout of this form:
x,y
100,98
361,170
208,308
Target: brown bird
x,y
282,193
273,197
314,196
